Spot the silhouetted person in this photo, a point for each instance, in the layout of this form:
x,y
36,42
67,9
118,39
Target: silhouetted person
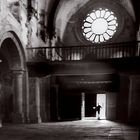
x,y
98,108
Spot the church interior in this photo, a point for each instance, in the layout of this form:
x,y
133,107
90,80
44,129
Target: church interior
x,y
61,58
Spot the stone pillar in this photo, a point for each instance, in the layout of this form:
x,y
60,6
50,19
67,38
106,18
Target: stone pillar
x,y
0,105
37,100
134,102
82,105
57,102
18,116
123,98
27,97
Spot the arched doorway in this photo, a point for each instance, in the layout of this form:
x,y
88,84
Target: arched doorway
x,y
12,64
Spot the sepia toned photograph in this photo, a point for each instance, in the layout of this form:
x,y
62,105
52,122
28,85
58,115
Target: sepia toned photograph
x,y
69,70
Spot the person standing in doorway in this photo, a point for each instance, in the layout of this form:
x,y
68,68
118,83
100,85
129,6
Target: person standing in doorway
x,y
98,108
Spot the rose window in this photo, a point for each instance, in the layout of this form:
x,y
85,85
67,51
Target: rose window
x,y
99,26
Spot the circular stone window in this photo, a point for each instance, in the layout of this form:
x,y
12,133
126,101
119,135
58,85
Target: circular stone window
x,y
99,26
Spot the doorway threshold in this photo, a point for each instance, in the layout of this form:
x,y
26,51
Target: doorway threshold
x,y
89,118
92,118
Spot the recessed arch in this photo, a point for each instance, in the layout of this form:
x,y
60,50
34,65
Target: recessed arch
x,y
12,64
12,50
66,13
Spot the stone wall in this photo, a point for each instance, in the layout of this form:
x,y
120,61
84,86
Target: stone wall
x,y
39,99
128,103
32,105
45,84
122,98
111,99
134,99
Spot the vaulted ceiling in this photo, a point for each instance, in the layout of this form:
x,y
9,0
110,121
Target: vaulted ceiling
x,y
65,15
62,13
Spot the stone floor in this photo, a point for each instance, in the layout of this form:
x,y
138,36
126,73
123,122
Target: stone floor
x,y
70,130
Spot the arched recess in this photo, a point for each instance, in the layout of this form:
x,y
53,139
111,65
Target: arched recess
x,y
71,13
12,50
13,60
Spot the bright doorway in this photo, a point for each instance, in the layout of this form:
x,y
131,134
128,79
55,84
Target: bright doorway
x,y
101,100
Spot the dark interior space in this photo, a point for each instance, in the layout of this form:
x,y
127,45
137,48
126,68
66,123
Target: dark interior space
x,y
69,106
6,91
54,106
90,102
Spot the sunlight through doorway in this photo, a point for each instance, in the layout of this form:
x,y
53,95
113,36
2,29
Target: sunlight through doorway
x,y
101,100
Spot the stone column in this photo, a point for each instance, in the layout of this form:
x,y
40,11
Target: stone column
x,y
37,100
57,102
0,105
18,116
27,96
82,105
133,99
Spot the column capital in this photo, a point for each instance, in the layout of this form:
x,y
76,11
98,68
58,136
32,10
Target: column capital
x,y
18,72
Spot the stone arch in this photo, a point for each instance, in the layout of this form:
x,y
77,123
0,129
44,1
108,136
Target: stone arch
x,y
12,50
67,12
13,61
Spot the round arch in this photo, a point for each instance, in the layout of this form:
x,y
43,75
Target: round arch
x,y
11,77
12,50
67,13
